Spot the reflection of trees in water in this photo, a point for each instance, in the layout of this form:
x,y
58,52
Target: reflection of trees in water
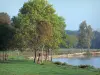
x,y
85,58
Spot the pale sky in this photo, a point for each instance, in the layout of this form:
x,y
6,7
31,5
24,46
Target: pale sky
x,y
74,11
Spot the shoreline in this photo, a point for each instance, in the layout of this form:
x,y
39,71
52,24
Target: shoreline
x,y
71,55
83,54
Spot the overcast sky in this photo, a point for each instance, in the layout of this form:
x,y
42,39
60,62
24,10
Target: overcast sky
x,y
74,11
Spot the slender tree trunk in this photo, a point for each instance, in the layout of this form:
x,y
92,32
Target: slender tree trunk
x,y
0,56
35,56
42,53
3,56
6,56
38,61
51,54
46,56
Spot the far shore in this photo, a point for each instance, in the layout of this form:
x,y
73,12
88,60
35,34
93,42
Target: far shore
x,y
83,54
71,55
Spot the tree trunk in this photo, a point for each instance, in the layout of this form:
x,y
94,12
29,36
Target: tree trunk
x,y
0,56
42,53
6,56
3,56
35,56
46,56
51,54
38,61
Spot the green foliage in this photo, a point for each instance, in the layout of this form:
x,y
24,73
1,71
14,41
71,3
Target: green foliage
x,y
58,31
37,24
71,41
6,35
38,27
29,30
6,31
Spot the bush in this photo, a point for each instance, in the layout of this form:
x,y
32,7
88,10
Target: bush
x,y
85,66
42,64
58,63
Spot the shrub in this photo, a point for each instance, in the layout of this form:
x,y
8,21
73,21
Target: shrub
x,y
42,64
85,66
58,63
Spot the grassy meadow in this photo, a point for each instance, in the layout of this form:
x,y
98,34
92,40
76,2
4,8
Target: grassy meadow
x,y
18,64
27,67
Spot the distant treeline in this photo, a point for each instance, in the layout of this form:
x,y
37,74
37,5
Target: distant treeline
x,y
95,42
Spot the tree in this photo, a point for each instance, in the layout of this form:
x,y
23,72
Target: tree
x,y
6,32
37,25
58,33
89,36
4,18
82,39
85,35
44,31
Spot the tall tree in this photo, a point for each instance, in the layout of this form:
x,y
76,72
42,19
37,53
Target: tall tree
x,y
58,33
6,32
84,39
89,36
37,23
44,31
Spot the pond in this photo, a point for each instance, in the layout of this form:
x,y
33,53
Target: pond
x,y
93,61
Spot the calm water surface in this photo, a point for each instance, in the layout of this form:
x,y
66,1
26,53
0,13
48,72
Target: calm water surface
x,y
94,61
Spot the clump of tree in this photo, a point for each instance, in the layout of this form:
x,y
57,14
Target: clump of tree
x,y
39,28
4,18
85,35
6,34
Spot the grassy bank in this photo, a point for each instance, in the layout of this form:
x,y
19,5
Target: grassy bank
x,y
25,67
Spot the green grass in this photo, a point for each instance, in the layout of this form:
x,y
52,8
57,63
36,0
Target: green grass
x,y
25,67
